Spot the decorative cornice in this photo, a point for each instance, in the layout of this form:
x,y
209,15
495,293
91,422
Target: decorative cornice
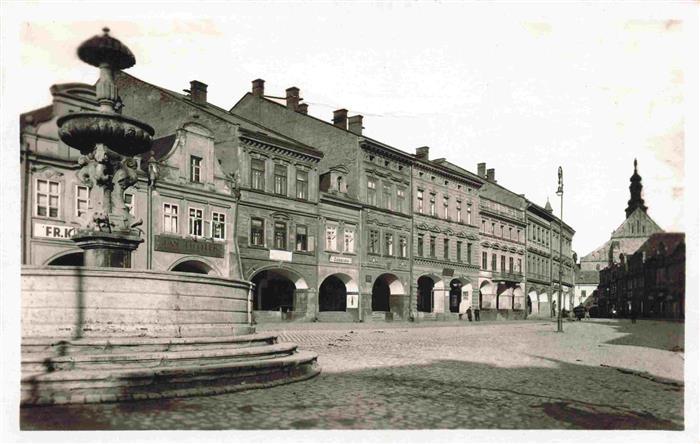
x,y
277,149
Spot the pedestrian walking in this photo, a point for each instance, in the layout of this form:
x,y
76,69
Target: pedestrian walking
x,y
633,316
469,314
476,314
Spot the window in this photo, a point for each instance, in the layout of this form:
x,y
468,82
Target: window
x,y
421,240
218,226
400,199
302,238
389,244
387,196
47,198
484,260
371,191
494,260
583,294
518,239
170,214
130,203
257,174
196,221
483,226
403,246
281,180
331,237
420,201
469,214
195,169
459,211
373,242
280,235
459,251
469,253
302,185
510,232
446,207
349,240
510,264
82,200
432,246
493,228
257,232
520,266
503,263
502,231
432,204
446,249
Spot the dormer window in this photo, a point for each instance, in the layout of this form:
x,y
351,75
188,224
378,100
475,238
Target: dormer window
x,y
195,169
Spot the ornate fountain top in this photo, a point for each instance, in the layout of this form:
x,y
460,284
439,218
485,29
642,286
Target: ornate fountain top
x,y
104,48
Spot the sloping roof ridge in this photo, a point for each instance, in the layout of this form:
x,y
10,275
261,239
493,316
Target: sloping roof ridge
x,y
182,98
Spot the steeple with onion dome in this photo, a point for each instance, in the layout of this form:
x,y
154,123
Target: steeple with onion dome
x,y
636,200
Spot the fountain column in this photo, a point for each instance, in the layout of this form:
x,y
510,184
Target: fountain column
x,y
107,141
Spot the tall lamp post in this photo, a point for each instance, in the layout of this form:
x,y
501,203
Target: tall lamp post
x,y
560,193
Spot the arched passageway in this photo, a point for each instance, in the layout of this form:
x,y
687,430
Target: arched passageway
x,y
385,286
425,294
193,266
76,259
273,291
332,295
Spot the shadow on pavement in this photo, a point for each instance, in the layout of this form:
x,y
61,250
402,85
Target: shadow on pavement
x,y
445,394
663,335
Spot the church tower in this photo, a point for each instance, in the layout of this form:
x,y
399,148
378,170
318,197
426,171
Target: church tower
x,y
636,200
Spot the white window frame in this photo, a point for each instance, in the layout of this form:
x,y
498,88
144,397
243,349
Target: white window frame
x,y
48,195
262,232
420,200
196,169
77,199
132,207
349,240
331,237
218,219
170,216
306,237
192,219
459,211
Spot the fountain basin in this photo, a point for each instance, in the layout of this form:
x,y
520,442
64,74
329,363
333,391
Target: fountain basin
x,y
124,135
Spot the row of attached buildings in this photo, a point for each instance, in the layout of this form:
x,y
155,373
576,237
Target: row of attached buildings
x,y
328,223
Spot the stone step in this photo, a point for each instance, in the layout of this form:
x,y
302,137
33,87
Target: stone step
x,y
79,386
143,344
37,362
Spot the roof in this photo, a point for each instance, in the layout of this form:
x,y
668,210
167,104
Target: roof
x,y
35,117
587,277
670,242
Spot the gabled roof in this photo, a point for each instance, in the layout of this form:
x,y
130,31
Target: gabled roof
x,y
670,242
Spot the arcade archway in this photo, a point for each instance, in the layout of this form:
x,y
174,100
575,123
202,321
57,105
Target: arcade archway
x,y
385,286
193,266
332,295
426,296
275,290
74,259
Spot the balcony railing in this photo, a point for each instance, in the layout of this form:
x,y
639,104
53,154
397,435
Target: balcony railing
x,y
507,276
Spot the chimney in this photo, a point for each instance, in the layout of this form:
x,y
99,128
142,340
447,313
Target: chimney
x,y
340,118
293,98
258,87
355,124
481,169
491,174
198,91
303,108
422,152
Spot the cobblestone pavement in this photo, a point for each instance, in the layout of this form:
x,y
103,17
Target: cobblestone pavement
x,y
510,375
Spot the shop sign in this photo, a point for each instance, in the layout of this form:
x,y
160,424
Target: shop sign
x,y
352,300
188,246
281,255
341,260
53,231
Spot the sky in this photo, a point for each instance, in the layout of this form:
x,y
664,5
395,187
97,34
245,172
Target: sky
x,y
523,87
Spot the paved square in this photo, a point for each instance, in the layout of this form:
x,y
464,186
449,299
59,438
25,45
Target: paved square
x,y
598,374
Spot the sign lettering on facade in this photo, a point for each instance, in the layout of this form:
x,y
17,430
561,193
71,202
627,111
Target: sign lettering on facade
x,y
341,259
53,231
352,300
281,255
188,246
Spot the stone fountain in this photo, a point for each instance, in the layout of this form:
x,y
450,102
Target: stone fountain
x,y
107,332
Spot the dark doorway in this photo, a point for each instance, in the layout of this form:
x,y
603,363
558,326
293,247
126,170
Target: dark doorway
x,y
380,295
425,294
529,305
69,260
455,295
273,292
192,267
332,295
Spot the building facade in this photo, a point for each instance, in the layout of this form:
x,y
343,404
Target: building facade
x,y
328,223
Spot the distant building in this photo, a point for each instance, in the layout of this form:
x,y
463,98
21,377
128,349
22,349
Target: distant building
x,y
648,283
624,241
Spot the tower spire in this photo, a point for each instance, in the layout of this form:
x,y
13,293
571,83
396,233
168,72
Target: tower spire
x,y
636,200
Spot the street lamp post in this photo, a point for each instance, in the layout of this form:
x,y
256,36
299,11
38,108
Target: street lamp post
x,y
560,193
